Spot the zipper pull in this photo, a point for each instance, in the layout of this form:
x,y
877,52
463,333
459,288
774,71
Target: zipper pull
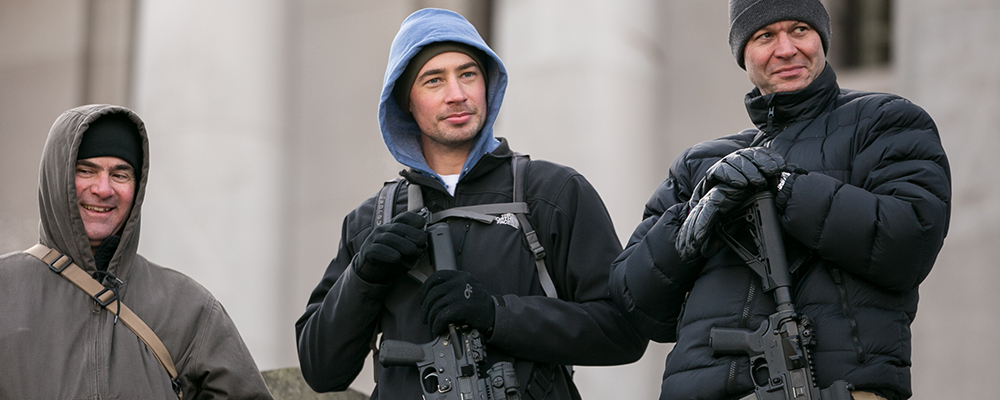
x,y
770,119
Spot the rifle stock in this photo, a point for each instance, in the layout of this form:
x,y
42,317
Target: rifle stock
x,y
779,349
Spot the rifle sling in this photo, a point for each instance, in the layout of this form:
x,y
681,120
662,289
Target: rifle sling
x,y
479,212
519,208
63,265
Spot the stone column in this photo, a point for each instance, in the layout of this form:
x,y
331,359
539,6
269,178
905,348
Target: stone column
x,y
208,83
584,91
948,63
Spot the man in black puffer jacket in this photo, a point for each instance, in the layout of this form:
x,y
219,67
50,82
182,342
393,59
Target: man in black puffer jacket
x,y
864,196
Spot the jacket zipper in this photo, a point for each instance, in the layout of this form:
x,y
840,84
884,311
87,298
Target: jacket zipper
x,y
745,316
845,307
680,316
744,324
770,119
763,137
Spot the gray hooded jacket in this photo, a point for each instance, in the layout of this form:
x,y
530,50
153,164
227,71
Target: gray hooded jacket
x,y
60,344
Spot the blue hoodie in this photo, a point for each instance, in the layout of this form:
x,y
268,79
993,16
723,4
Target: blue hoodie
x,y
400,131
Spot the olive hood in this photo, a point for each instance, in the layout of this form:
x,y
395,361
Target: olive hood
x,y
61,226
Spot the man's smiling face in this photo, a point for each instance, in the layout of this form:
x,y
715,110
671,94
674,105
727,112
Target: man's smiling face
x,y
105,189
784,57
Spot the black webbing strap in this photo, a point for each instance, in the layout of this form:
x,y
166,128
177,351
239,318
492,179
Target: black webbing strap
x,y
385,202
384,205
520,168
479,213
519,208
543,378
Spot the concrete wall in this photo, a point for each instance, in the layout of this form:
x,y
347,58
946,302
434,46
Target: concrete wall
x,y
209,85
41,46
263,135
949,63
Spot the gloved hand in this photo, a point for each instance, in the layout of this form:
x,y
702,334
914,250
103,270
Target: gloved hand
x,y
692,237
456,297
392,249
748,168
727,183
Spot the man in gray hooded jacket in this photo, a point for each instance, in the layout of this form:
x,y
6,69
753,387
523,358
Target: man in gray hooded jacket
x,y
442,90
60,343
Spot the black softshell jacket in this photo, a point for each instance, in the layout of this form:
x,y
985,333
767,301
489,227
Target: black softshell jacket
x,y
866,223
582,327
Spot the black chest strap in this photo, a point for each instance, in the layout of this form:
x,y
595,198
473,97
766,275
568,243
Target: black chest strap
x,y
484,213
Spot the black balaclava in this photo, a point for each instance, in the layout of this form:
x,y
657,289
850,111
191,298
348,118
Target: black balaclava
x,y
113,135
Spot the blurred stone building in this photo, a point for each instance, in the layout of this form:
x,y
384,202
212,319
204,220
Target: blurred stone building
x,y
263,132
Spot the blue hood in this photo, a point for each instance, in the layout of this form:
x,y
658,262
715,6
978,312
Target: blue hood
x,y
400,131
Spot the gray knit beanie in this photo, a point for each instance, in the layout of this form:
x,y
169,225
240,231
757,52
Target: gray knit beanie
x,y
747,16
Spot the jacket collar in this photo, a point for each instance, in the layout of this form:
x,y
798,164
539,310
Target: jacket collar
x,y
486,163
789,107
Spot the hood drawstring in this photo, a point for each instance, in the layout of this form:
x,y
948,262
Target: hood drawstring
x,y
116,285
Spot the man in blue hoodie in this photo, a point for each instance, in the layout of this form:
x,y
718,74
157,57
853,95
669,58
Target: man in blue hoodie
x,y
538,295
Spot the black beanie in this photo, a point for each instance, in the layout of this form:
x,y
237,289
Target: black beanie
x,y
401,90
113,135
747,16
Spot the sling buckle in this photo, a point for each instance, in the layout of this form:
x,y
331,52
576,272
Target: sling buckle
x,y
59,269
97,297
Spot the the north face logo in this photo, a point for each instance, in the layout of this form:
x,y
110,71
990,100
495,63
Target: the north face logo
x,y
508,219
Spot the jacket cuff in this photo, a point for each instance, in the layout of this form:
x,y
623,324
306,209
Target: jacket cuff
x,y
784,190
501,331
359,285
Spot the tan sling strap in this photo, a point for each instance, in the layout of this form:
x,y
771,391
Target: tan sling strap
x,y
63,265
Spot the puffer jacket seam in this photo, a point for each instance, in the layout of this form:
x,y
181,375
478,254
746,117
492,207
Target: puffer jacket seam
x,y
826,216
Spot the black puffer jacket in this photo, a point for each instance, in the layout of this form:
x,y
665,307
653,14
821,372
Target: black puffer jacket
x,y
868,221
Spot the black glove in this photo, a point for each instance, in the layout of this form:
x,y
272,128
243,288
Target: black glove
x,y
692,237
727,183
392,249
750,168
456,297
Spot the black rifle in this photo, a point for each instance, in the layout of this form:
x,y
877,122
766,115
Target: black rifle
x,y
779,350
452,367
